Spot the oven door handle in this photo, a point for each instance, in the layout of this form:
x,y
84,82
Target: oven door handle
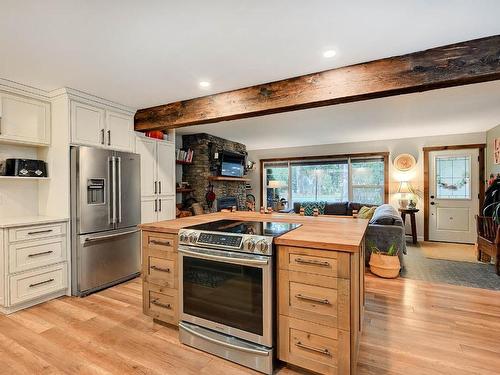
x,y
226,344
242,261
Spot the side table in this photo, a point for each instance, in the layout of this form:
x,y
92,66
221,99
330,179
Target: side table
x,y
411,212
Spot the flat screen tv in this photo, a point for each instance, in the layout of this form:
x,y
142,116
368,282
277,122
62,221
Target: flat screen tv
x,y
232,165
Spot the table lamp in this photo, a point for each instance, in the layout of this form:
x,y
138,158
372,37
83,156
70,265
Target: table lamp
x,y
403,191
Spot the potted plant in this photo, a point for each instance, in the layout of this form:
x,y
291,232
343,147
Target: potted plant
x,y
385,263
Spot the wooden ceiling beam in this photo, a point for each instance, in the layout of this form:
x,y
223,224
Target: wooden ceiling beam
x,y
453,65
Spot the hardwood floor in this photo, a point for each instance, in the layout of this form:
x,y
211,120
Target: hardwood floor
x,y
411,327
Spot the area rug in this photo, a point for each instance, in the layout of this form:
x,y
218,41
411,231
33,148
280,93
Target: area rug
x,y
449,251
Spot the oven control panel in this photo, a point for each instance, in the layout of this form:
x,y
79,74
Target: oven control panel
x,y
220,240
245,243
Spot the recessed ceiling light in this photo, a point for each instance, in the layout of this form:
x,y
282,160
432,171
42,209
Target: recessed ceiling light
x,y
204,84
329,53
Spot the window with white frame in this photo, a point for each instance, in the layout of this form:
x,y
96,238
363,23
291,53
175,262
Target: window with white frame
x,y
353,179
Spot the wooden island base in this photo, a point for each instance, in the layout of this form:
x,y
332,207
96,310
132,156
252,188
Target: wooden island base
x,y
320,282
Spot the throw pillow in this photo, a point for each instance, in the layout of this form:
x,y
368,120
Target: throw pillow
x,y
366,212
310,206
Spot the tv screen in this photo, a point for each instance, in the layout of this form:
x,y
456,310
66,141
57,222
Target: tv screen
x,y
232,169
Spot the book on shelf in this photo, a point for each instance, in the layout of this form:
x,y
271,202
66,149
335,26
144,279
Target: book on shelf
x,y
185,156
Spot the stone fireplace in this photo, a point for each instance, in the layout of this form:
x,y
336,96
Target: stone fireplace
x,y
197,174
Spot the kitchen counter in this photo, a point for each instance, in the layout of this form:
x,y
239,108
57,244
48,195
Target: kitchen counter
x,y
21,221
339,233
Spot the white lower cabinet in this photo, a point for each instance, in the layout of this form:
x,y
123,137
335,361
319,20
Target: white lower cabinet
x,y
36,264
157,209
166,208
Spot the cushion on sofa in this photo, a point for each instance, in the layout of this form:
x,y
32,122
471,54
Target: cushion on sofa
x,y
366,212
386,215
310,206
336,208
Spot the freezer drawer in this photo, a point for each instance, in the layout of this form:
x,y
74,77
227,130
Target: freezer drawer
x,y
106,258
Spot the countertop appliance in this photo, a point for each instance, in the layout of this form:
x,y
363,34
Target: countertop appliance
x,y
105,212
227,290
23,168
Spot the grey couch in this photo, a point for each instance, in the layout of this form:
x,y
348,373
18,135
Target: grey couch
x,y
385,227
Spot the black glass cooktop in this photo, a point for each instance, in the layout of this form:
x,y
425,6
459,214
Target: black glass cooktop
x,y
259,228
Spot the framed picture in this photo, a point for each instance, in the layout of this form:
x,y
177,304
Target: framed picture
x,y
496,151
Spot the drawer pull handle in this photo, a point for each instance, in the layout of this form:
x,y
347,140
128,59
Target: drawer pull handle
x,y
313,262
323,301
159,304
38,254
41,283
312,348
40,232
156,268
161,243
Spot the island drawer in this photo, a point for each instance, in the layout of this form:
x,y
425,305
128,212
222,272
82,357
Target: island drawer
x,y
32,254
160,244
37,232
160,303
320,262
161,272
315,298
315,347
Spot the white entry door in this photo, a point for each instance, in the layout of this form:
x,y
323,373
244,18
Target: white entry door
x,y
453,195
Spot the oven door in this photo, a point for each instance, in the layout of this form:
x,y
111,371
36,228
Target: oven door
x,y
227,292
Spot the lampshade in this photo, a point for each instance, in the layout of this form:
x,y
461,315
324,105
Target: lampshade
x,y
404,187
274,184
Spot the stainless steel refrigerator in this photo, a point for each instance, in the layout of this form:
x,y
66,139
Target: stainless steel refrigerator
x,y
105,212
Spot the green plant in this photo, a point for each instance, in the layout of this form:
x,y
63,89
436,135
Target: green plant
x,y
391,251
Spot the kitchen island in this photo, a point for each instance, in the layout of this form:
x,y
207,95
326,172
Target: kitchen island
x,y
320,277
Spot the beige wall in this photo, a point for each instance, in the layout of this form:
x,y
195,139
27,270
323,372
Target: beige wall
x,y
395,147
491,167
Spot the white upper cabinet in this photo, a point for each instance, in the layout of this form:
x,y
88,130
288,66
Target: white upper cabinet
x,y
119,131
147,149
24,120
157,179
87,124
166,168
92,125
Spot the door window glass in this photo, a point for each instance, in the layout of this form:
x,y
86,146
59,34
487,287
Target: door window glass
x,y
453,177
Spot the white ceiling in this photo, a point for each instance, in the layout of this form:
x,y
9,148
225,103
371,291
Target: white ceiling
x,y
458,110
144,53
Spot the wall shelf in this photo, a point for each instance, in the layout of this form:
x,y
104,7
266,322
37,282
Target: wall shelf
x,y
182,162
183,190
222,178
23,178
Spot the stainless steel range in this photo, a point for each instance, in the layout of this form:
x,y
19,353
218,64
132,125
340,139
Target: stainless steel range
x,y
227,290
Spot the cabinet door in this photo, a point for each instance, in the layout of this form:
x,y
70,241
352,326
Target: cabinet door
x,y
119,130
149,207
166,208
147,149
87,124
166,168
24,120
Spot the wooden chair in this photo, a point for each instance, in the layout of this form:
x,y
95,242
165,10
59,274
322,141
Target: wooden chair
x,y
488,239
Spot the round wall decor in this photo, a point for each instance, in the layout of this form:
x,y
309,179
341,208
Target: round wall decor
x,y
404,162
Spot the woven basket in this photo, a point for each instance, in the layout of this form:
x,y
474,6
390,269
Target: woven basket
x,y
386,266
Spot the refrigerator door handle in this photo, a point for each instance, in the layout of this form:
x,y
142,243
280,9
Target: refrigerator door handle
x,y
113,191
119,195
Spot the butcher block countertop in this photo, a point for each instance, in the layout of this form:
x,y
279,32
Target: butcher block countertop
x,y
343,233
